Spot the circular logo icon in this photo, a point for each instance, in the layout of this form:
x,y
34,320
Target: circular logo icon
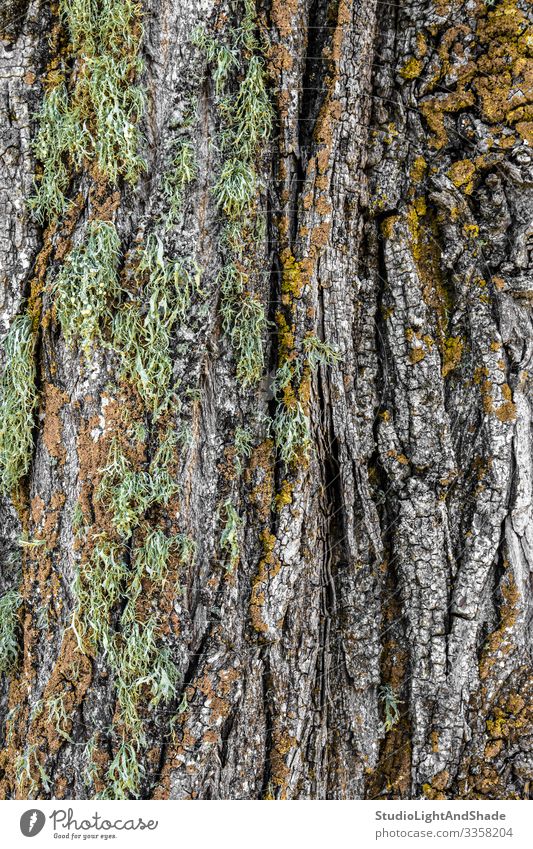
x,y
32,822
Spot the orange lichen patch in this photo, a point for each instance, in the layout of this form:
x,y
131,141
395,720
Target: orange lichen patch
x,y
60,787
38,280
282,14
505,80
283,745
37,506
69,681
487,396
425,251
103,200
56,244
440,781
259,476
91,457
501,640
433,794
493,749
506,412
268,567
54,401
435,109
49,531
279,59
227,678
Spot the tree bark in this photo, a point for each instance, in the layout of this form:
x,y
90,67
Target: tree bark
x,y
265,443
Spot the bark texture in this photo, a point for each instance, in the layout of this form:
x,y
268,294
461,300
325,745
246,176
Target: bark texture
x,y
266,443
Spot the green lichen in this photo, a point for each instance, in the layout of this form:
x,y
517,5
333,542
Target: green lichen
x,y
246,122
229,540
126,562
319,353
58,717
243,447
25,772
86,285
17,403
183,170
9,627
94,119
61,138
143,325
124,774
390,701
291,432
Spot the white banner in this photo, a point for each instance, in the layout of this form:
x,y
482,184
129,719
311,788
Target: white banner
x,y
251,825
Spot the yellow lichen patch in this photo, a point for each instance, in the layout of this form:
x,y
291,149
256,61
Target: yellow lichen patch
x,y
268,568
504,81
509,724
525,128
426,254
471,231
387,226
292,279
461,174
419,169
412,69
284,496
452,354
416,355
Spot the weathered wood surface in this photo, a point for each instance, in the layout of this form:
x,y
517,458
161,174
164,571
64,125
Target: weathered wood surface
x,y
272,535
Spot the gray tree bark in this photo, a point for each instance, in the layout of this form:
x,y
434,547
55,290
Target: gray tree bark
x,y
266,442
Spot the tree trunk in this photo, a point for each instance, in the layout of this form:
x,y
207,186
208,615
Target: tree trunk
x,y
265,438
